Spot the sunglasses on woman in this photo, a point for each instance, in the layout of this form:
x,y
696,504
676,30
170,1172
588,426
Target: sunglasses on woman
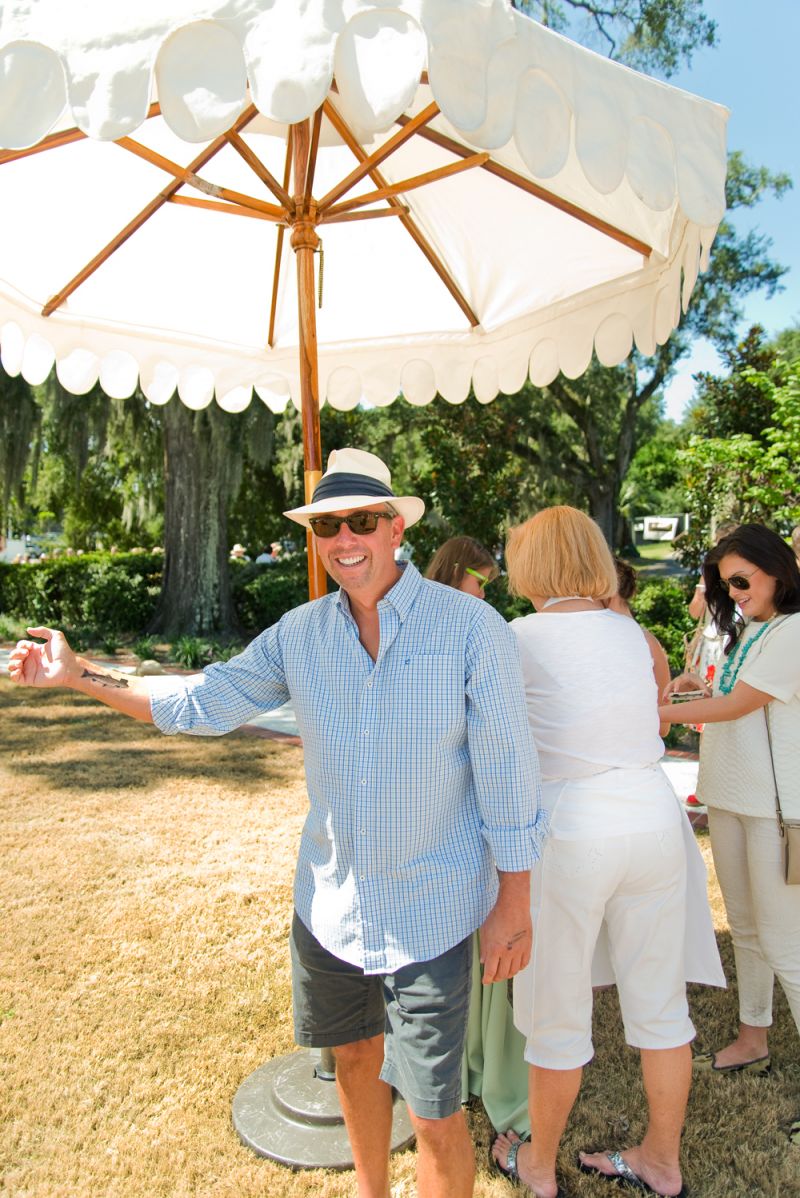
x,y
358,522
483,579
739,582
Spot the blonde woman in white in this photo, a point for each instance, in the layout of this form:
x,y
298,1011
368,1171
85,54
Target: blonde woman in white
x,y
614,866
755,702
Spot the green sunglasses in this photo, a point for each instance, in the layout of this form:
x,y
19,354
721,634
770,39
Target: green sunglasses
x,y
483,579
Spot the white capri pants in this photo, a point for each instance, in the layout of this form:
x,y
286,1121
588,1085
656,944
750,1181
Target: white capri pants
x,y
637,884
763,912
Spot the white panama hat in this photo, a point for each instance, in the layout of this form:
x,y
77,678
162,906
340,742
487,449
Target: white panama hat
x,y
353,479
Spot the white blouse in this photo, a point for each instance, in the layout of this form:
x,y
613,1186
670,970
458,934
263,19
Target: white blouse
x,y
735,769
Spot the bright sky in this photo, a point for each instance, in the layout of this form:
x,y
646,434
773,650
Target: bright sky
x,y
754,72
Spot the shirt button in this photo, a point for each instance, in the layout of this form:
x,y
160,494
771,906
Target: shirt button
x,y
363,782
362,877
363,831
365,732
370,682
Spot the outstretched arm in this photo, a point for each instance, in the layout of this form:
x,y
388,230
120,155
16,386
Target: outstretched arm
x,y
741,701
55,664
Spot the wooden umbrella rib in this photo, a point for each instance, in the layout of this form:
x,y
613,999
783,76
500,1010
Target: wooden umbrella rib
x,y
142,217
276,274
312,158
257,166
341,217
237,197
53,141
393,189
534,189
189,177
407,221
220,206
370,161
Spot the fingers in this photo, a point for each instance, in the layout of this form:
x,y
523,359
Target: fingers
x,y
17,659
684,682
499,967
500,963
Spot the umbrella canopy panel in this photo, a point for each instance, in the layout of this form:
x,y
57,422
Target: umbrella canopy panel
x,y
585,200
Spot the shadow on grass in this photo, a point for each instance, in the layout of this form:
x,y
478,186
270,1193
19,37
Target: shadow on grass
x,y
130,768
70,742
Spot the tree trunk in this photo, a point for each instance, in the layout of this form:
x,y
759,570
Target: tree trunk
x,y
603,510
202,465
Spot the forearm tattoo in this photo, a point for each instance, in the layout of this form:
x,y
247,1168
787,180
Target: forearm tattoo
x,y
106,680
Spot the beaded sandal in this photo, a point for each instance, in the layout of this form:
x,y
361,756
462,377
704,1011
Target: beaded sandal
x,y
705,1062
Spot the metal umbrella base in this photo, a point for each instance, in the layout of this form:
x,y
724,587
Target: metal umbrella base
x,y
287,1112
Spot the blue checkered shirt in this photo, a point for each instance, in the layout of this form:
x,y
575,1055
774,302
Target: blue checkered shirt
x,y
422,776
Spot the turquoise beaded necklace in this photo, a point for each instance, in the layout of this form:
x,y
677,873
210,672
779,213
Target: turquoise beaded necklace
x,y
729,674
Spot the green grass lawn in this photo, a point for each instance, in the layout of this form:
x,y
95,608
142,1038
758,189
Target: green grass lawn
x,y
655,551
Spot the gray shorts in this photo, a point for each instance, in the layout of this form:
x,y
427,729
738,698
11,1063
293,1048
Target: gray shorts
x,y
421,1009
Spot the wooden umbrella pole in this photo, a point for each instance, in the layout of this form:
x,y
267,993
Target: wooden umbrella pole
x,y
305,242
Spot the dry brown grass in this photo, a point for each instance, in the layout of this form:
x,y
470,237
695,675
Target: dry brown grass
x,y
145,894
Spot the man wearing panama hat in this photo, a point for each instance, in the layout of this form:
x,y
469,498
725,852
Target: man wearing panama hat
x,y
423,818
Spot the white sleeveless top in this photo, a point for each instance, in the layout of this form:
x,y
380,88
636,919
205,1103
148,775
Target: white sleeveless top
x,y
593,710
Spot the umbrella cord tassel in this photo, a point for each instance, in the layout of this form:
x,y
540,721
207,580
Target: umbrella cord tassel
x,y
321,253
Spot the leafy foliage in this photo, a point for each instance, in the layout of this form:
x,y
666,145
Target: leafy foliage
x,y
648,34
262,594
743,478
660,605
739,402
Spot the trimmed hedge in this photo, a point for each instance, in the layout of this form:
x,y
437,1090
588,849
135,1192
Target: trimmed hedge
x,y
661,605
97,591
104,595
261,594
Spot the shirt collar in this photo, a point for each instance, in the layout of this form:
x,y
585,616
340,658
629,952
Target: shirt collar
x,y
401,596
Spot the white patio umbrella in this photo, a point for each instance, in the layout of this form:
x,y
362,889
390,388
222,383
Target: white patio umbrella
x,y
495,202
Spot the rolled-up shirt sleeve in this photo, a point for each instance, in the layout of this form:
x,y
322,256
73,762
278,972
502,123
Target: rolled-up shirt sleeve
x,y
226,694
505,764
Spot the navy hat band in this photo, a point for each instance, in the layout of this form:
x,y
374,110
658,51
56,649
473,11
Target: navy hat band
x,y
334,485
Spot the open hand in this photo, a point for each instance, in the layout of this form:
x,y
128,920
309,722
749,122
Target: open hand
x,y
50,664
685,682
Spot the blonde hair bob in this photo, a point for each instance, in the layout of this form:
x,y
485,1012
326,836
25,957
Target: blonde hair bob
x,y
560,552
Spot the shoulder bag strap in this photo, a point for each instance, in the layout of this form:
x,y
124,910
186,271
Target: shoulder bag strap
x,y
765,709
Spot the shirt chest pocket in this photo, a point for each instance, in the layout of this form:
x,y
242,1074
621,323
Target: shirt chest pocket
x,y
434,700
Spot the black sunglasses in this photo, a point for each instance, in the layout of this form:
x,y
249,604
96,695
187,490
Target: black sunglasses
x,y
739,582
357,522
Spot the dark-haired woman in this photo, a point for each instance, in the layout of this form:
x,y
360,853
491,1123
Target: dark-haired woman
x,y
752,729
464,564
